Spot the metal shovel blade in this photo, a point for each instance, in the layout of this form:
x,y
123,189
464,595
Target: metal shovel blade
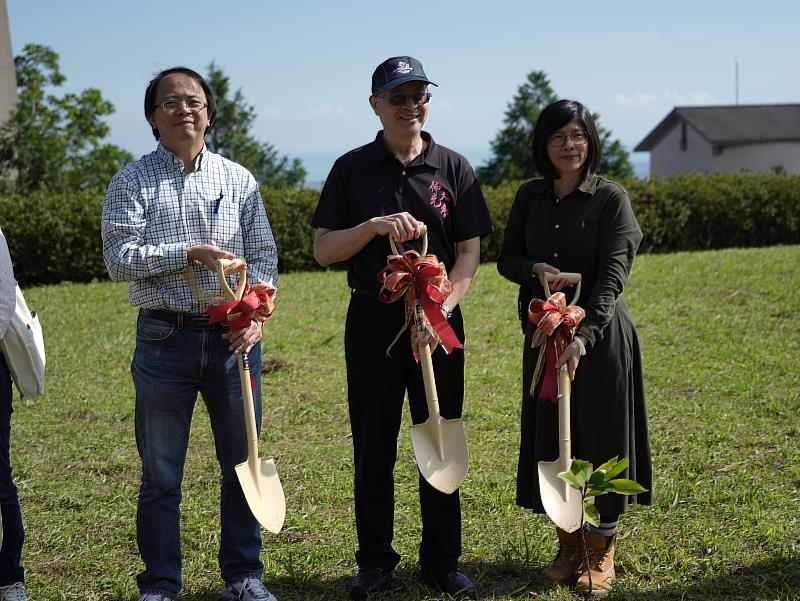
x,y
561,502
440,448
263,491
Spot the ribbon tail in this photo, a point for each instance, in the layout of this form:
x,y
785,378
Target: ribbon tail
x,y
447,337
396,338
219,312
549,389
537,371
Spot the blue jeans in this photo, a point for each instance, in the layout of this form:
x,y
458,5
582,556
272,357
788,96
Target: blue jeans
x,y
170,366
13,533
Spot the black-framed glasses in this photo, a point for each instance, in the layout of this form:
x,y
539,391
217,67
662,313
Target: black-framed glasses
x,y
416,98
579,138
172,106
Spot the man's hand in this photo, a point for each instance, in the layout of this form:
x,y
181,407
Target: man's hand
x,y
401,227
245,339
421,338
207,254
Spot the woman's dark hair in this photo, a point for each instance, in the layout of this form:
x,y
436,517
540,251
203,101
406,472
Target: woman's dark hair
x,y
554,117
152,90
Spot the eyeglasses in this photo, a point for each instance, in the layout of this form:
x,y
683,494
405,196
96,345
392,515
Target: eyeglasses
x,y
579,138
416,98
171,106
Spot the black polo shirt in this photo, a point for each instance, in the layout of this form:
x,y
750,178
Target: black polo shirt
x,y
438,188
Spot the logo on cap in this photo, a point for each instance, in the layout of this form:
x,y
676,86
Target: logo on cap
x,y
403,68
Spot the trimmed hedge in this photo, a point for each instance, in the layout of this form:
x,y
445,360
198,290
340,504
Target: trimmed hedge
x,y
698,212
56,237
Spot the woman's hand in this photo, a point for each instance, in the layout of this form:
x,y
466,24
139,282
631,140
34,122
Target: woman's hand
x,y
571,356
554,285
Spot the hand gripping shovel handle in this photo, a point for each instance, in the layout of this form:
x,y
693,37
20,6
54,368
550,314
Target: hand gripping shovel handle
x,y
572,278
423,231
221,264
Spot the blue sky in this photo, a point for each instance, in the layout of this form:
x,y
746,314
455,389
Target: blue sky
x,y
306,65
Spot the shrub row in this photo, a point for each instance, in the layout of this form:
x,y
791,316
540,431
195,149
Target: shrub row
x,y
55,237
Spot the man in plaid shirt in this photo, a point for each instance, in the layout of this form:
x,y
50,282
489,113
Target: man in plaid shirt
x,y
166,219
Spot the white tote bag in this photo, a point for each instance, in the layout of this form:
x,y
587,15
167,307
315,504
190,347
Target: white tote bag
x,y
23,349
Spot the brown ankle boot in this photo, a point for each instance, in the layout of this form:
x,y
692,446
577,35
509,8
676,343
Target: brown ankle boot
x,y
565,566
601,565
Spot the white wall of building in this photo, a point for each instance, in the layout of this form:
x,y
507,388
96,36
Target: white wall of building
x,y
668,158
759,157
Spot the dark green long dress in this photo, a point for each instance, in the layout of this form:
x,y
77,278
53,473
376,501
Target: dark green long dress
x,y
591,231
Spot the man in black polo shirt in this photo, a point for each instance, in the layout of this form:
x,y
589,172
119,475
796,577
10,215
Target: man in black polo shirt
x,y
388,188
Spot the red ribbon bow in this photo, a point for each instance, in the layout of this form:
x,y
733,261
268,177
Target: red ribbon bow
x,y
257,303
422,279
555,323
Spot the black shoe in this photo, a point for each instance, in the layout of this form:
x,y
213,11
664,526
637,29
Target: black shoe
x,y
453,583
370,581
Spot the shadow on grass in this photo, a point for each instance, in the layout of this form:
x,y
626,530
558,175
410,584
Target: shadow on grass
x,y
776,579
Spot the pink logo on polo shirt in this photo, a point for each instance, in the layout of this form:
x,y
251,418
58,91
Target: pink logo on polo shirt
x,y
403,68
439,199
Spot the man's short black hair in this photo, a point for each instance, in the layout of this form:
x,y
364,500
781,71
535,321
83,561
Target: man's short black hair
x,y
554,117
152,90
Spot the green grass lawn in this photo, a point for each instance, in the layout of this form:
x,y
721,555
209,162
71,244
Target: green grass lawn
x,y
720,333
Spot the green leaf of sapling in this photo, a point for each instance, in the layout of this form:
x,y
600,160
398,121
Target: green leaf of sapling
x,y
570,479
627,487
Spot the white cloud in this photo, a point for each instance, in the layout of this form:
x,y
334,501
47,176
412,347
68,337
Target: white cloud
x,y
327,109
636,100
689,98
668,98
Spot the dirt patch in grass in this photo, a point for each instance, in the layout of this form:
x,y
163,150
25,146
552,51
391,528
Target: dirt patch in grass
x,y
272,364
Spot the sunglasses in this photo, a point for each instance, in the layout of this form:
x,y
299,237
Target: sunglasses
x,y
416,98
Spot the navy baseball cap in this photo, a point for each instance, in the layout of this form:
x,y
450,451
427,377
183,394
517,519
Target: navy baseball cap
x,y
396,71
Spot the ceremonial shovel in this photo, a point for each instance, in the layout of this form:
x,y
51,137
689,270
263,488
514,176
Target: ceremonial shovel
x,y
440,445
561,502
257,477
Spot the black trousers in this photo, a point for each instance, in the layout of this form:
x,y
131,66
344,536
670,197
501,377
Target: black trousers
x,y
376,389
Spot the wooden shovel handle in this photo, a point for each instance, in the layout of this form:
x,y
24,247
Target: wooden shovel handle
x,y
564,435
572,278
221,264
423,232
244,364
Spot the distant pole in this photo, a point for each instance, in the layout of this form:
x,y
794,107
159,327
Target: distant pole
x,y
8,77
737,82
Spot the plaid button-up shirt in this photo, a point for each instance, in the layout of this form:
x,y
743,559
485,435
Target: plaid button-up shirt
x,y
153,212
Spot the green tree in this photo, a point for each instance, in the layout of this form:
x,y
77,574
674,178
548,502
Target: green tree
x,y
55,142
511,147
230,136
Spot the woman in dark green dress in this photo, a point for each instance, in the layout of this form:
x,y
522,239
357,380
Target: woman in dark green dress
x,y
573,220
